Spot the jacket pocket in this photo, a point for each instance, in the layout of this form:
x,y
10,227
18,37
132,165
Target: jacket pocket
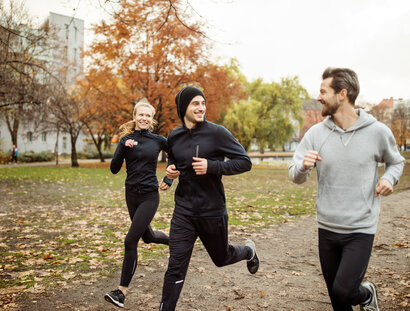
x,y
344,207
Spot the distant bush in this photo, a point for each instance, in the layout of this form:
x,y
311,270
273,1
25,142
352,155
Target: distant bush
x,y
31,156
94,154
5,157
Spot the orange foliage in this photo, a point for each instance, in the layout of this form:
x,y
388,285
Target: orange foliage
x,y
221,89
149,50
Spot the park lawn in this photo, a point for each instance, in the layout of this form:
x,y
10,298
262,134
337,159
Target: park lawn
x,y
64,225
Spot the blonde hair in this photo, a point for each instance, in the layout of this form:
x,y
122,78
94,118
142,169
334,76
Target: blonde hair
x,y
129,127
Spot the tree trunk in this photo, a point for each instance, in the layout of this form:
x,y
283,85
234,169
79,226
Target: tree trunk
x,y
74,159
97,144
13,128
56,145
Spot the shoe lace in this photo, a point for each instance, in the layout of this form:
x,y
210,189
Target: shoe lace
x,y
369,308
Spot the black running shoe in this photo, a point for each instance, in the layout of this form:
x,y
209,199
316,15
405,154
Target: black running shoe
x,y
253,263
116,297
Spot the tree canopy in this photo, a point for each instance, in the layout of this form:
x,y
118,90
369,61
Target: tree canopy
x,y
272,114
147,50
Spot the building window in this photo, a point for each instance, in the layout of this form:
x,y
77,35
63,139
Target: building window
x,y
44,136
30,136
75,55
75,33
64,143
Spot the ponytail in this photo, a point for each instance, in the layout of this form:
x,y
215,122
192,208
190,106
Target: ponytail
x,y
126,129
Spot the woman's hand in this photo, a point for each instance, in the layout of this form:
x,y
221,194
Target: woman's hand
x,y
163,186
129,143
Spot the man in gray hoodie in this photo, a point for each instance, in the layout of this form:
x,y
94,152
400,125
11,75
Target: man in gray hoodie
x,y
346,149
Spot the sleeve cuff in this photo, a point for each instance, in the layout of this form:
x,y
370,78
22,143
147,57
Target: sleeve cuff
x,y
167,181
390,179
212,167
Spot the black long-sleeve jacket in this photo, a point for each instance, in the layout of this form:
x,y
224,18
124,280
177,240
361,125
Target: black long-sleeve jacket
x,y
141,160
204,195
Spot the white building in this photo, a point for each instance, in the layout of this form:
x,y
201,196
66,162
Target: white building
x,y
70,36
70,41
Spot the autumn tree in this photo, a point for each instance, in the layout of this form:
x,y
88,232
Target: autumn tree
x,y
99,118
22,66
223,85
400,123
63,113
382,114
151,49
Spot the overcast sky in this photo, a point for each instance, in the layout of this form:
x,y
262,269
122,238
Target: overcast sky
x,y
278,38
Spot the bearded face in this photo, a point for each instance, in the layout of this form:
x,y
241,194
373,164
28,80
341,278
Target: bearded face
x,y
328,98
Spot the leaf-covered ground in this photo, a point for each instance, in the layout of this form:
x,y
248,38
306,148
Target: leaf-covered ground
x,y
62,233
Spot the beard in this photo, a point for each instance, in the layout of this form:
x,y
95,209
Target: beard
x,y
329,109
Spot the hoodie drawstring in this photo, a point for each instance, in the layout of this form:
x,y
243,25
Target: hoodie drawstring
x,y
348,140
320,148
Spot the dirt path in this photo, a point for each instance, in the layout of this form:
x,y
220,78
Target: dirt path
x,y
289,277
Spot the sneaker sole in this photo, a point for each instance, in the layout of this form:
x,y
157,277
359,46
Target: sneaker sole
x,y
116,303
255,256
375,295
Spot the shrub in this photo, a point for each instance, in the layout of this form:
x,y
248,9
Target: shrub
x,y
93,154
31,156
5,157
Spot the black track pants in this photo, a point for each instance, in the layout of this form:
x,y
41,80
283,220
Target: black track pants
x,y
213,232
344,259
142,208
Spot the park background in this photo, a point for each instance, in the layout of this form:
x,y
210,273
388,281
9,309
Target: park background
x,y
63,225
69,77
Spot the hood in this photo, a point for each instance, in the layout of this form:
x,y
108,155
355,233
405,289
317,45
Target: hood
x,y
364,120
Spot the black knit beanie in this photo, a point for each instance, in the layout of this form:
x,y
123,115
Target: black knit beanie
x,y
184,97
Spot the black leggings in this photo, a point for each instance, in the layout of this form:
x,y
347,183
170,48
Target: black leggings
x,y
213,232
142,208
344,259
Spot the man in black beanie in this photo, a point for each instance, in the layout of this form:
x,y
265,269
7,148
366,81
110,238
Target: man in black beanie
x,y
197,151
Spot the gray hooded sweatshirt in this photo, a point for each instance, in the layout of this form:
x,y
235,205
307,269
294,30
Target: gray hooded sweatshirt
x,y
347,175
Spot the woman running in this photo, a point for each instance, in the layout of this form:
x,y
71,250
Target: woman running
x,y
140,149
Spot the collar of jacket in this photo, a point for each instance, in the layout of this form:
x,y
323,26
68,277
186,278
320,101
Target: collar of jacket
x,y
141,132
197,126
